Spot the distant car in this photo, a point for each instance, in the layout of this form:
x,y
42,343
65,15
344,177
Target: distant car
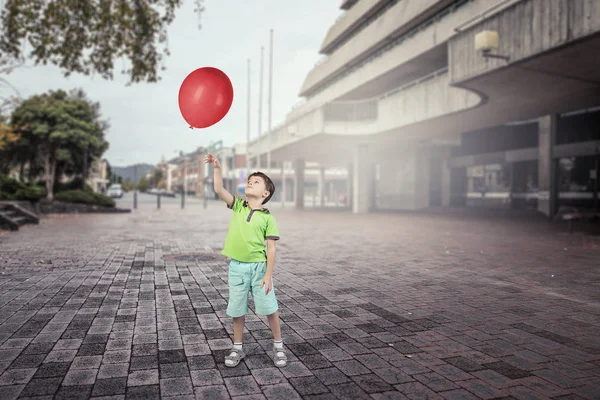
x,y
166,193
115,191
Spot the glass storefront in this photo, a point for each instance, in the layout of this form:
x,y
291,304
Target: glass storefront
x,y
488,185
577,181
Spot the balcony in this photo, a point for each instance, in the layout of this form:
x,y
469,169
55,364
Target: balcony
x,y
403,20
404,50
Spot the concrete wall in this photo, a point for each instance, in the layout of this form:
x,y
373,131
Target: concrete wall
x,y
411,48
527,28
404,12
426,100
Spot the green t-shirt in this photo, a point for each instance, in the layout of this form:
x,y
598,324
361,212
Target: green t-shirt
x,y
248,231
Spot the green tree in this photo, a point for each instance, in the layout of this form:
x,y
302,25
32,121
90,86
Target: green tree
x,y
57,128
88,36
142,184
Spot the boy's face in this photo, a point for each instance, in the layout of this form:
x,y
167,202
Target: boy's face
x,y
256,187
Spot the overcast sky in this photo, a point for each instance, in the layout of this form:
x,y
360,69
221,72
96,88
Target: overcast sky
x,y
145,119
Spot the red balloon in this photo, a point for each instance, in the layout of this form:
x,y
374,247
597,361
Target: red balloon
x,y
205,97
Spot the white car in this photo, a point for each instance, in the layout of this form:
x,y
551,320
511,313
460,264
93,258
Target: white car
x,y
115,191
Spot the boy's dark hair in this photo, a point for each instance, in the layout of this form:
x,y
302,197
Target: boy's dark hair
x,y
268,184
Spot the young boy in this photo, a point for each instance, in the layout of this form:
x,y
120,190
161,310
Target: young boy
x,y
251,267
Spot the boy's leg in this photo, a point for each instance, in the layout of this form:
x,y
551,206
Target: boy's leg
x,y
274,324
279,357
238,328
239,286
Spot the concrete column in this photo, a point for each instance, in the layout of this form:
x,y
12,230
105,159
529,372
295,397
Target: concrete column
x,y
362,180
299,167
446,189
349,181
547,127
422,171
322,187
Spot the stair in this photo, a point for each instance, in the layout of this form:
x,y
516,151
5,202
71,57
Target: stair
x,y
13,216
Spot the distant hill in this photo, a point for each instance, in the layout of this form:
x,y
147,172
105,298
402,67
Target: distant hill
x,y
127,172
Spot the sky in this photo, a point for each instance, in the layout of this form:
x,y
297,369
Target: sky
x,y
145,121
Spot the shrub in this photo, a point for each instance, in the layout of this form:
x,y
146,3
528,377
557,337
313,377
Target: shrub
x,y
85,197
73,184
11,189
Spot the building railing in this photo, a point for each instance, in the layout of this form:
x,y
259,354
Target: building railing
x,y
482,14
451,9
354,111
367,109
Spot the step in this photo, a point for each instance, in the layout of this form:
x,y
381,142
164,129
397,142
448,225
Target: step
x,y
20,220
7,222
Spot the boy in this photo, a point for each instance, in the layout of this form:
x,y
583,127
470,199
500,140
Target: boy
x,y
251,267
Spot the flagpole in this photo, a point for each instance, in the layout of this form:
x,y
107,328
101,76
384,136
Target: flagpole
x,y
270,100
260,103
248,124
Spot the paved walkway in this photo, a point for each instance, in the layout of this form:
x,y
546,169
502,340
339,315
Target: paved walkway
x,y
374,306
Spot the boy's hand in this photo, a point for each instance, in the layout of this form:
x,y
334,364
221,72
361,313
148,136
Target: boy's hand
x,y
212,160
267,283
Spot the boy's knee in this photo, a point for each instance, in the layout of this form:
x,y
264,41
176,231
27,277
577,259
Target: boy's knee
x,y
240,318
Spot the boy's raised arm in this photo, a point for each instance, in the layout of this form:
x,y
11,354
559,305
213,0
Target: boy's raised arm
x,y
218,180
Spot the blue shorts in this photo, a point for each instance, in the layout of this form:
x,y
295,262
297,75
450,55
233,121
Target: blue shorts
x,y
244,278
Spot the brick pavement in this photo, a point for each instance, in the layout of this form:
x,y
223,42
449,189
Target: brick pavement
x,y
376,306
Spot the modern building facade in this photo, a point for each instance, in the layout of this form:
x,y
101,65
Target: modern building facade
x,y
425,103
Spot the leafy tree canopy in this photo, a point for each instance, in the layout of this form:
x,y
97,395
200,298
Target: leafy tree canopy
x,y
88,36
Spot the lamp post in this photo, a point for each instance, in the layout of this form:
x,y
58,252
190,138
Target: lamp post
x,y
135,186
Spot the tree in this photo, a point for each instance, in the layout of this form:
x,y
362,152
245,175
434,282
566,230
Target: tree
x,y
88,36
7,139
142,184
57,128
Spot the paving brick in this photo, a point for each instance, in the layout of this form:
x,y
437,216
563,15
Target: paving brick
x,y
217,392
17,376
82,392
80,377
176,386
11,392
108,371
110,387
307,385
242,385
161,320
51,370
142,378
150,392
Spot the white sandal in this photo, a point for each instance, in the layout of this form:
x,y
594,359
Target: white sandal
x,y
234,357
279,357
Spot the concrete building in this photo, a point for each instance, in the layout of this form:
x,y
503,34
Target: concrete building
x,y
98,176
452,102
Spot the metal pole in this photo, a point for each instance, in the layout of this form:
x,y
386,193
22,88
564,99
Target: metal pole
x,y
248,124
234,176
184,184
597,185
260,102
135,186
270,99
158,200
283,188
